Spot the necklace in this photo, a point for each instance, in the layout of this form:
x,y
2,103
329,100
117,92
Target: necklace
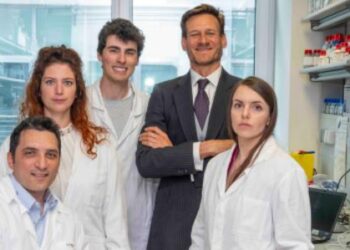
x,y
66,130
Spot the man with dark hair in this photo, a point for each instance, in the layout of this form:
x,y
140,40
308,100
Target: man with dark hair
x,y
31,217
36,123
186,126
118,106
124,30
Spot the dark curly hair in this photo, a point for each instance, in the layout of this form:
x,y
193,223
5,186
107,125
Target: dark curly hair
x,y
124,30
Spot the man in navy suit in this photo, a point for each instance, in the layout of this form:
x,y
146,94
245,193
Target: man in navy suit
x,y
185,126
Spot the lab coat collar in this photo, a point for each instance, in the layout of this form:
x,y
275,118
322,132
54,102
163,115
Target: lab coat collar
x,y
98,103
22,194
28,201
8,192
267,151
97,106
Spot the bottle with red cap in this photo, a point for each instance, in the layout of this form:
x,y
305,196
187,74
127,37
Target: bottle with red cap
x,y
347,40
316,56
338,38
308,58
323,59
337,54
326,43
347,54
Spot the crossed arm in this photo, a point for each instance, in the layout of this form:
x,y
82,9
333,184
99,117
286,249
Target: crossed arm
x,y
154,137
159,155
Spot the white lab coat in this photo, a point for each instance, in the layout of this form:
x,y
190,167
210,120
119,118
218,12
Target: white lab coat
x,y
266,208
140,192
96,194
5,147
62,229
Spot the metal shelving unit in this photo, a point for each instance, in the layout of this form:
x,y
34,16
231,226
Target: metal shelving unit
x,y
331,16
335,14
334,71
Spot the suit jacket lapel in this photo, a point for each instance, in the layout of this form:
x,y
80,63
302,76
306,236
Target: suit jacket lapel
x,y
184,104
218,111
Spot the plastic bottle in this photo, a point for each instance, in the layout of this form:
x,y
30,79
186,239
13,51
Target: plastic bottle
x,y
341,107
347,40
338,38
343,46
316,56
325,106
337,54
331,41
347,54
332,104
323,59
308,58
336,106
326,43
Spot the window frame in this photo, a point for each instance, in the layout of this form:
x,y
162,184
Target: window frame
x,y
264,33
265,17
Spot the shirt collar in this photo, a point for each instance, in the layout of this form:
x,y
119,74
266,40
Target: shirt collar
x,y
28,200
213,77
131,91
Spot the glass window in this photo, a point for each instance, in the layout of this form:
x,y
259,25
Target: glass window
x,y
154,73
29,27
160,22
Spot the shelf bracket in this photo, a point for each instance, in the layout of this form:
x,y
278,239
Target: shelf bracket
x,y
330,75
334,20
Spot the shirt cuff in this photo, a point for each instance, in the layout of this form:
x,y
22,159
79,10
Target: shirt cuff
x,y
198,162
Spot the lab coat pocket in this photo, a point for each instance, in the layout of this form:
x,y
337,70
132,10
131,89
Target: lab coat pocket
x,y
254,220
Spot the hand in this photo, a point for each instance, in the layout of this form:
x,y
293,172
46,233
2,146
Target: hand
x,y
211,148
154,137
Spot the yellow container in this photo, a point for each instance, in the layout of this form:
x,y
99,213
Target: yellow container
x,y
306,160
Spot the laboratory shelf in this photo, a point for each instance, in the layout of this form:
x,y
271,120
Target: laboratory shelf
x,y
334,71
334,14
11,80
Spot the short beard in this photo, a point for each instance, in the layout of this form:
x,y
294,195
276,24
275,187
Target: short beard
x,y
216,58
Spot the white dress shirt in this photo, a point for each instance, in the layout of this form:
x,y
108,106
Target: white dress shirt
x,y
210,89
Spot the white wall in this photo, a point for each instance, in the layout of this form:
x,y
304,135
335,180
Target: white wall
x,y
305,97
300,101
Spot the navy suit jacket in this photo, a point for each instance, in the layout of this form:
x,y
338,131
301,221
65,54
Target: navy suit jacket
x,y
171,109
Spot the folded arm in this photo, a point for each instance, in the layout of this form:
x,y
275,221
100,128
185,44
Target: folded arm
x,y
156,139
161,152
